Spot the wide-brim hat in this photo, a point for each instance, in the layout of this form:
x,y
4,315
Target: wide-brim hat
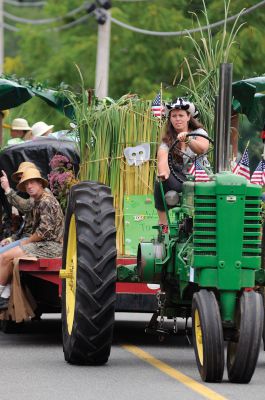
x,y
21,168
31,173
39,128
4,115
20,124
181,103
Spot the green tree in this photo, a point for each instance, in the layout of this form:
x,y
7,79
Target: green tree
x,y
138,62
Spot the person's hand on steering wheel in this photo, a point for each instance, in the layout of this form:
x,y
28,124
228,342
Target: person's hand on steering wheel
x,y
182,136
164,175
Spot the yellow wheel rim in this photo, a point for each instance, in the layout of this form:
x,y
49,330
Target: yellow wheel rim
x,y
198,336
71,269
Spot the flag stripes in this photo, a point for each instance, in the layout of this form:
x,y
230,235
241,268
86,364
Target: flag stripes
x,y
157,107
198,172
242,167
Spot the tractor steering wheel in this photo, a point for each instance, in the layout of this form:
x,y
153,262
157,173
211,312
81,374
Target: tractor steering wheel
x,y
173,167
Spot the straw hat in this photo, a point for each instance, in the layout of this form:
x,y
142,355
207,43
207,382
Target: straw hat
x,y
4,115
21,168
20,124
31,173
40,128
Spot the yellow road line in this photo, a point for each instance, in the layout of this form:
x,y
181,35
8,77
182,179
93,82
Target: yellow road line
x,y
174,373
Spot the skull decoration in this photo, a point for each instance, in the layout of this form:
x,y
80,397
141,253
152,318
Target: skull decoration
x,y
137,155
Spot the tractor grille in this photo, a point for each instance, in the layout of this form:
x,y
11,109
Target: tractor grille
x,y
252,227
204,228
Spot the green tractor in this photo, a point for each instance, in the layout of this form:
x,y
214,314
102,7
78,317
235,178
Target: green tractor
x,y
208,266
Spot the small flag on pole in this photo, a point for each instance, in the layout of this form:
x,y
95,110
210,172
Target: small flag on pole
x,y
258,176
242,167
157,107
262,135
199,172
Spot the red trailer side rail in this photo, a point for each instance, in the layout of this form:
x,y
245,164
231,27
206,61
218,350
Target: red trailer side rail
x,y
131,297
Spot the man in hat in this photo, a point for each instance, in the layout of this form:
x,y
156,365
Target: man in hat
x,y
47,232
19,131
24,206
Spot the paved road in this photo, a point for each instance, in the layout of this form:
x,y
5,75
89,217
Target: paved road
x,y
140,367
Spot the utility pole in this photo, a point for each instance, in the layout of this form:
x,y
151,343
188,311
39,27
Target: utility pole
x,y
103,51
1,37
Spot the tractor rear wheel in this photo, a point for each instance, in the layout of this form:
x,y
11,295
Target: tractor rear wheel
x,y
243,350
89,275
208,338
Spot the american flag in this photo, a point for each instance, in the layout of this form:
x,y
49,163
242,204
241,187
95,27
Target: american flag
x,y
198,171
242,167
157,107
258,176
262,135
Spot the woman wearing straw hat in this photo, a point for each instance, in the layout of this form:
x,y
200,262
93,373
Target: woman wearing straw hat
x,y
47,232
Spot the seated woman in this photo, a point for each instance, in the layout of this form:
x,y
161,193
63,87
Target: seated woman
x,y
181,121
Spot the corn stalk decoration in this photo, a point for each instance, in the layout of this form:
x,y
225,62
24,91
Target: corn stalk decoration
x,y
106,128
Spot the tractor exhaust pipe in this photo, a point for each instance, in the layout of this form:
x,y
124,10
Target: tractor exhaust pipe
x,y
223,119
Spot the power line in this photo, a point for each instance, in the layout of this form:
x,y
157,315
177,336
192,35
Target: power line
x,y
124,25
181,33
44,21
70,24
25,3
56,29
10,27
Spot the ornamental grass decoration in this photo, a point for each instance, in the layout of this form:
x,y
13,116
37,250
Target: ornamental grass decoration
x,y
105,129
210,49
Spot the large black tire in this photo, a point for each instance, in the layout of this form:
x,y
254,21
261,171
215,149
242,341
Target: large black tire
x,y
208,338
90,248
242,353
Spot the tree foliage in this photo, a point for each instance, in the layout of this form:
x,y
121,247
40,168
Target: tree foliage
x,y
138,62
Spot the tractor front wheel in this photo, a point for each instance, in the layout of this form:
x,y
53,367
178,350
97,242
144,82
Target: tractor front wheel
x,y
89,275
208,338
243,350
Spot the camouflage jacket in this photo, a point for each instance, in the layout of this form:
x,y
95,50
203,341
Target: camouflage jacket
x,y
48,218
24,206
